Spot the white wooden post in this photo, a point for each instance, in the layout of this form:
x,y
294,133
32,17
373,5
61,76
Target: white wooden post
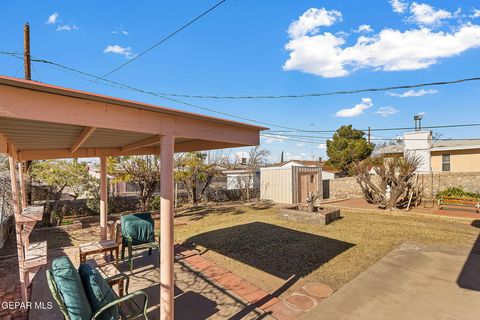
x,y
103,198
23,188
18,230
167,284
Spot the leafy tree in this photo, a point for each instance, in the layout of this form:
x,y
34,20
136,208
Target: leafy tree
x,y
144,171
347,146
195,174
59,175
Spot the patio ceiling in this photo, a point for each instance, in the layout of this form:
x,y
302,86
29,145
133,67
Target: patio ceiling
x,y
39,121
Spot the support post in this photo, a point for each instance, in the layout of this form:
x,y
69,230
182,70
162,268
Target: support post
x,y
23,188
167,284
18,230
103,198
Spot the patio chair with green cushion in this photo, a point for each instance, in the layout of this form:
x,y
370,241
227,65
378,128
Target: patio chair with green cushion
x,y
85,295
138,232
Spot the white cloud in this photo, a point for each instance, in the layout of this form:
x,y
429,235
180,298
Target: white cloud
x,y
389,50
356,110
322,146
398,6
475,14
413,93
120,30
426,15
366,28
271,138
310,21
291,156
67,27
386,111
52,19
124,51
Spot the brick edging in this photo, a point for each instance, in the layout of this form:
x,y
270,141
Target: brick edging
x,y
404,214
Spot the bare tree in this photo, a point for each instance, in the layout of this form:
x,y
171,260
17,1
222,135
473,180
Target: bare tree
x,y
256,158
389,182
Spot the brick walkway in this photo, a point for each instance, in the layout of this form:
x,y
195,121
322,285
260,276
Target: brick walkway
x,y
292,307
10,289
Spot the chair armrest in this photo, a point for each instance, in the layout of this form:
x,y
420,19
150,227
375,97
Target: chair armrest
x,y
122,299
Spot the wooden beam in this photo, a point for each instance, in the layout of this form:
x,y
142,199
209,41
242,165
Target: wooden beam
x,y
12,150
45,154
86,133
143,143
3,144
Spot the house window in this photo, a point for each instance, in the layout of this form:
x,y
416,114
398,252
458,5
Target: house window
x,y
445,162
312,178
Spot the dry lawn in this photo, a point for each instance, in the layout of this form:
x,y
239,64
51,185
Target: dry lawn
x,y
282,255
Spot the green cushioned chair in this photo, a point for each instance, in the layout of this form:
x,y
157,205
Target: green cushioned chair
x,y
138,232
86,295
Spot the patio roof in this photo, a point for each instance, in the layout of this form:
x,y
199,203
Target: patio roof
x,y
40,121
43,121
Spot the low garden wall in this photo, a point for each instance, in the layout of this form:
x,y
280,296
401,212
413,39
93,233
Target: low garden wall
x,y
343,188
348,187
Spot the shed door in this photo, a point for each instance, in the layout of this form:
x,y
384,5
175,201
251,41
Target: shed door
x,y
307,182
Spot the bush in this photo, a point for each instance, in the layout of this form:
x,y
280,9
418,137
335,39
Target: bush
x,y
155,203
457,192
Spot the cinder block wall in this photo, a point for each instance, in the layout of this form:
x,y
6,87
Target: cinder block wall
x,y
348,187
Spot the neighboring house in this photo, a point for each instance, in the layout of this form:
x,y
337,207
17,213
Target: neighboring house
x,y
290,182
442,155
329,173
238,179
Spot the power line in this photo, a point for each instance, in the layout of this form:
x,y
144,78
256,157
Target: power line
x,y
164,39
115,84
385,129
320,138
134,89
322,94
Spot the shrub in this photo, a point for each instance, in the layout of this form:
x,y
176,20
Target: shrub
x,y
155,203
457,192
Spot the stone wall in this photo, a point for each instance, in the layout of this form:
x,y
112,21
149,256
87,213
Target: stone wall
x,y
438,181
470,181
344,188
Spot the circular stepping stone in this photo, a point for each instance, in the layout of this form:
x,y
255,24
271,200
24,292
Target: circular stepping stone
x,y
318,290
301,302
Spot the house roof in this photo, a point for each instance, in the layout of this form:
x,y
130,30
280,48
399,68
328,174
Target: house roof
x,y
437,145
331,169
440,145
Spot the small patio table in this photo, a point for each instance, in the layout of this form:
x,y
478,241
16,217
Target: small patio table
x,y
101,246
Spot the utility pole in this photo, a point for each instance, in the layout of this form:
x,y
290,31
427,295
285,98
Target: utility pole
x,y
28,76
26,52
369,134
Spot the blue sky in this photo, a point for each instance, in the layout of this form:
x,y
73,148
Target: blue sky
x,y
267,47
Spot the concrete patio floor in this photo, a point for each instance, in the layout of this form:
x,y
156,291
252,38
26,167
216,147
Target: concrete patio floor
x,y
411,282
196,298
